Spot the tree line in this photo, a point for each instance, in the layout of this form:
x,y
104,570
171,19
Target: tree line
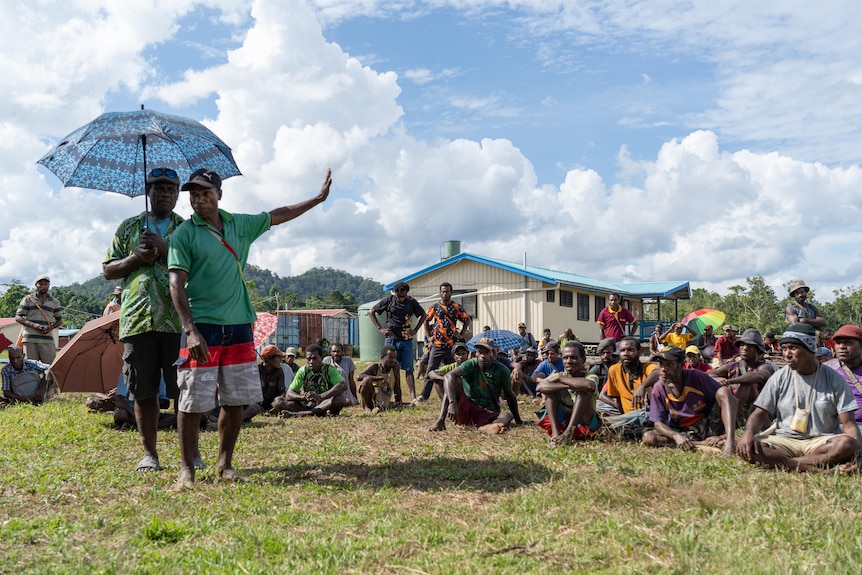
x,y
318,288
757,305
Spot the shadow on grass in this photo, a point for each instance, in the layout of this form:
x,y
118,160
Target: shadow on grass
x,y
439,474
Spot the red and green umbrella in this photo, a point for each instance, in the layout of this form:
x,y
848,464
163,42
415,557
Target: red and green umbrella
x,y
698,320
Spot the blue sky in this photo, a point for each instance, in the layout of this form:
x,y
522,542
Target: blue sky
x,y
655,141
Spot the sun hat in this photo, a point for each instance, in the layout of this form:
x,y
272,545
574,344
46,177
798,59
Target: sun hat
x,y
751,337
291,351
692,349
42,277
798,284
459,345
606,343
486,343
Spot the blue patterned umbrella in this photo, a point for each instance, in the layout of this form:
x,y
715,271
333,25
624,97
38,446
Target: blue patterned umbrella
x,y
502,338
112,152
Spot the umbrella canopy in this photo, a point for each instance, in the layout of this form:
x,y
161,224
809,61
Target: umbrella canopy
x,y
264,327
93,360
112,152
698,320
503,339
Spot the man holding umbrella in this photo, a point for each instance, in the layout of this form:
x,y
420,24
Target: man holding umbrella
x,y
206,260
149,324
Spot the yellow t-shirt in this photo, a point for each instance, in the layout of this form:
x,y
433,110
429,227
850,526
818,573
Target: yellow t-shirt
x,y
679,341
620,385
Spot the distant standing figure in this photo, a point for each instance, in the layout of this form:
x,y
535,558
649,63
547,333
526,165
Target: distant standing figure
x,y
115,303
800,311
529,340
441,325
615,320
399,332
40,314
655,339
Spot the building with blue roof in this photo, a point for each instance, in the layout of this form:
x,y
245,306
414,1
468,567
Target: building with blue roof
x,y
501,294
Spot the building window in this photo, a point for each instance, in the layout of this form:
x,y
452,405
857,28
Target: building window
x,y
583,307
468,302
549,296
600,305
566,298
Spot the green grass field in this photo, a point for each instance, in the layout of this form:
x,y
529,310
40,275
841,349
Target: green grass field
x,y
379,494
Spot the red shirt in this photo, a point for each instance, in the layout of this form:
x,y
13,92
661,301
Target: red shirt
x,y
615,322
725,346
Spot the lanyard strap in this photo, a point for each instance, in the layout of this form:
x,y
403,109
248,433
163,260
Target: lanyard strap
x,y
851,376
230,249
813,388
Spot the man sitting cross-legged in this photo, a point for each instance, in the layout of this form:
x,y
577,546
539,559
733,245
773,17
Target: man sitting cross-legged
x,y
317,389
473,392
811,404
746,375
681,402
378,381
565,418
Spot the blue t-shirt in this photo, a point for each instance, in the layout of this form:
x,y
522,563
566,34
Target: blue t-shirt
x,y
548,368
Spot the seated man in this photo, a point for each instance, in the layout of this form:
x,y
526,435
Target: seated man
x,y
461,354
705,342
674,336
522,373
317,389
346,368
693,361
848,362
378,381
627,391
271,376
808,401
681,403
552,364
746,375
24,380
473,392
607,350
563,417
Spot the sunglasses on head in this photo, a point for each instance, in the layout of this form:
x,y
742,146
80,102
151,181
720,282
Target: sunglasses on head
x,y
167,172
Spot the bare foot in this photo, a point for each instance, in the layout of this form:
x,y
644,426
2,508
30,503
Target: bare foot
x,y
186,480
849,468
493,428
227,474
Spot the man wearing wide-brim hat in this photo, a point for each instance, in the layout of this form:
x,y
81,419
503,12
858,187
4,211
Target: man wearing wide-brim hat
x,y
809,403
800,311
848,362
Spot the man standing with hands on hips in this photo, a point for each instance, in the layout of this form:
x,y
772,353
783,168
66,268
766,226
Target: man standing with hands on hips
x,y
206,261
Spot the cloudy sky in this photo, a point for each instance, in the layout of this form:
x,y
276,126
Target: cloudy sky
x,y
622,140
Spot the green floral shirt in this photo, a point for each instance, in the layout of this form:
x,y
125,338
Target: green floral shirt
x,y
147,304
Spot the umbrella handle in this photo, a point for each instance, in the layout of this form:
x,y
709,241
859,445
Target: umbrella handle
x,y
146,195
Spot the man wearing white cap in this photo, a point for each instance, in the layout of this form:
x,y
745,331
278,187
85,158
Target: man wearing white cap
x,y
40,314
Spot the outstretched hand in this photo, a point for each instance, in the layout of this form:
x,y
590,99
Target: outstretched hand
x,y
324,189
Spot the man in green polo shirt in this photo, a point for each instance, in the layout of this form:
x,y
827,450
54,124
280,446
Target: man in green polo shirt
x,y
473,391
206,259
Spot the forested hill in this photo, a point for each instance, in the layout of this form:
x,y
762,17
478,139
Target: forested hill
x,y
319,282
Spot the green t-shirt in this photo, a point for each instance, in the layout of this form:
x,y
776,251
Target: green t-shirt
x,y
215,285
484,387
316,382
147,304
